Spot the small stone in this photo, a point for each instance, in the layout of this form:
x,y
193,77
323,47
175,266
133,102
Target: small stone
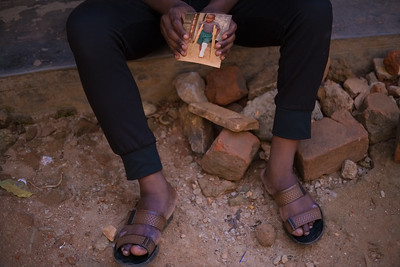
x,y
237,200
215,188
109,232
276,260
183,235
101,244
378,87
37,63
366,163
265,234
149,108
199,200
383,193
224,255
190,87
381,71
349,169
284,259
197,191
71,260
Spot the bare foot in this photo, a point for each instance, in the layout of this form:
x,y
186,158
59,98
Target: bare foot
x,y
157,195
303,204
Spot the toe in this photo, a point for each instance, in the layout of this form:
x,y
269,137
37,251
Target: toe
x,y
138,251
306,229
298,232
126,249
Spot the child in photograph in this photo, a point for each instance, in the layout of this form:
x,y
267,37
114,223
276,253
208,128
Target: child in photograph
x,y
206,34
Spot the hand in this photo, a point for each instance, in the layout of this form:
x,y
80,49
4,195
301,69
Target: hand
x,y
172,29
223,47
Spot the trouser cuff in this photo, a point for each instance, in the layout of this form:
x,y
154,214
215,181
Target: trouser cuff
x,y
141,163
292,124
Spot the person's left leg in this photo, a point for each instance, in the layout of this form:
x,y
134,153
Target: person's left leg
x,y
302,30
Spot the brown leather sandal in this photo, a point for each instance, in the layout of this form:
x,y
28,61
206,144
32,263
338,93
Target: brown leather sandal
x,y
315,215
144,217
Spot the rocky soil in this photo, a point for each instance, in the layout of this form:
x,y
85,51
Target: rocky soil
x,y
79,189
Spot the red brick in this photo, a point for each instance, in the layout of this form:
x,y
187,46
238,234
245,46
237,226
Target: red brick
x,y
332,142
392,62
225,85
230,154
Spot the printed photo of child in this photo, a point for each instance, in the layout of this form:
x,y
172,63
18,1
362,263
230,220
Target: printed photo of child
x,y
205,30
209,29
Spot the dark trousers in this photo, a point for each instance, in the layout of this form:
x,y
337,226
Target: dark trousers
x,y
104,34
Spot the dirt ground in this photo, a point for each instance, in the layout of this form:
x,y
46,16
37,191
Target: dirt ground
x,y
80,188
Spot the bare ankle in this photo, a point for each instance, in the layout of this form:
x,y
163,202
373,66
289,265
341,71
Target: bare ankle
x,y
277,181
153,184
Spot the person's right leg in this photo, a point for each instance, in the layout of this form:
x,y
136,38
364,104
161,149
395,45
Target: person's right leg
x,y
103,34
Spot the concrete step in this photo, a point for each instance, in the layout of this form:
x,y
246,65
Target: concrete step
x,y
37,69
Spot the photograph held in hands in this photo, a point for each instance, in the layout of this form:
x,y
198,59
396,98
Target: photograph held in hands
x,y
205,30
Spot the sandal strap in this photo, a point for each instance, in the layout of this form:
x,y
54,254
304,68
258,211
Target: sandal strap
x,y
143,241
144,217
289,194
147,217
298,220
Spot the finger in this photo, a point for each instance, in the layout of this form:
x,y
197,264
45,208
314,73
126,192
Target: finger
x,y
224,51
175,40
231,30
177,24
175,43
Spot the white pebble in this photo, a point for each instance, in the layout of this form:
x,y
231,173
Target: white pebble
x,y
285,259
199,200
276,260
197,191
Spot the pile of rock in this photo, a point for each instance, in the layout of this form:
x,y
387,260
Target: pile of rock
x,y
227,119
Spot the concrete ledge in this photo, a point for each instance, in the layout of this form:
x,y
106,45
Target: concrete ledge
x,y
48,90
